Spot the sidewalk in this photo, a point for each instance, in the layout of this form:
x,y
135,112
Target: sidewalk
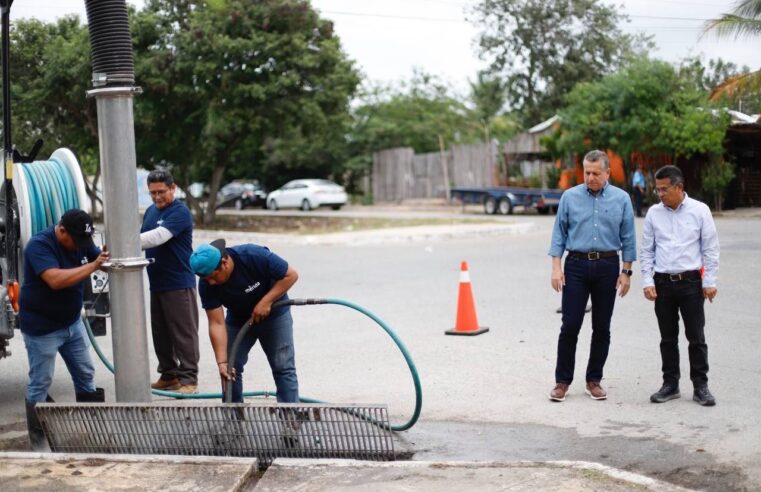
x,y
40,471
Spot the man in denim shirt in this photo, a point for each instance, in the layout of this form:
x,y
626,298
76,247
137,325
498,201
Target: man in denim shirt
x,y
594,222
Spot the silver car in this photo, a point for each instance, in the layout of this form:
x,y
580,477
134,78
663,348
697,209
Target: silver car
x,y
307,194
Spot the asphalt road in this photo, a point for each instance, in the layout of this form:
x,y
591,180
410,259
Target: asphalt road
x,y
485,397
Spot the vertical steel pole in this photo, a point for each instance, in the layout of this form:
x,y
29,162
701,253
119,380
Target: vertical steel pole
x,y
11,253
116,133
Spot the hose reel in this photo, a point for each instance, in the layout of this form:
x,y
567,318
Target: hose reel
x,y
47,189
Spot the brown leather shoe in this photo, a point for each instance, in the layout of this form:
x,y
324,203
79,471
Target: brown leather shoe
x,y
166,384
558,392
595,391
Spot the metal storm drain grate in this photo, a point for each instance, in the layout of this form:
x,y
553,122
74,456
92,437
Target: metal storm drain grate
x,y
264,431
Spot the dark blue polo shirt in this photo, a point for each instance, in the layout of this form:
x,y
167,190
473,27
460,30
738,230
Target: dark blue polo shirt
x,y
171,268
43,310
256,269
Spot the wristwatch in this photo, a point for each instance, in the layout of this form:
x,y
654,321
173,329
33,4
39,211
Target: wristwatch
x,y
628,272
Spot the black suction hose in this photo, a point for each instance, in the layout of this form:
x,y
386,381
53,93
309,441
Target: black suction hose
x,y
110,43
242,333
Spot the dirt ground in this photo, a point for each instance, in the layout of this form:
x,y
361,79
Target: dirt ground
x,y
318,224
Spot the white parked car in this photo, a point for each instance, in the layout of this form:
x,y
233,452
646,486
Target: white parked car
x,y
307,194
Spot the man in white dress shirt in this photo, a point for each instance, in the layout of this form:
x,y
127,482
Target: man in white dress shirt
x,y
680,262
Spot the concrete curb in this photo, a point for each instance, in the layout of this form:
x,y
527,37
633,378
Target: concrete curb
x,y
482,475
73,471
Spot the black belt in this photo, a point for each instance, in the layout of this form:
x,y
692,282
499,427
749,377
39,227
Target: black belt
x,y
677,277
592,255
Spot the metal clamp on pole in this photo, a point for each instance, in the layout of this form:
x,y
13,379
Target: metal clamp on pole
x,y
126,264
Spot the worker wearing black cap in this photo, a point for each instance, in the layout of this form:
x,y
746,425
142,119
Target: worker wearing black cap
x,y
57,262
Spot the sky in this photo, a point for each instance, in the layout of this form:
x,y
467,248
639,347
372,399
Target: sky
x,y
388,39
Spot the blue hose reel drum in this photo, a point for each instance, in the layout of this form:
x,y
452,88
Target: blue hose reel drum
x,y
47,189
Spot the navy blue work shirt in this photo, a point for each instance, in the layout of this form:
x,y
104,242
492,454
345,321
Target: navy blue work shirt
x,y
171,268
256,270
595,222
43,310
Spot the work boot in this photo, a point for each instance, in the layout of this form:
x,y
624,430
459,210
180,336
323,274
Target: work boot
x,y
49,399
37,438
667,392
595,391
166,384
97,396
703,396
558,392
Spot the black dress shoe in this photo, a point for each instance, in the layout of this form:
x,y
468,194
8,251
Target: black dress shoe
x,y
703,396
666,393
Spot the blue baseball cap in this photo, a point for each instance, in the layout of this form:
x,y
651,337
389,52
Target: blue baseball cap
x,y
206,258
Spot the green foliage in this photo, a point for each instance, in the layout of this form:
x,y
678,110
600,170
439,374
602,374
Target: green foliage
x,y
535,181
716,177
50,74
647,107
553,176
745,95
543,48
415,115
241,89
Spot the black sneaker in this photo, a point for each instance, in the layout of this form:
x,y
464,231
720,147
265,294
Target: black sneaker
x,y
666,393
704,397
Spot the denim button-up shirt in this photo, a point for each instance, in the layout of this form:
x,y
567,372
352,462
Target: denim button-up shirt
x,y
595,222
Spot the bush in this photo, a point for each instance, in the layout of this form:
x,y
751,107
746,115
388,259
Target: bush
x,y
716,176
553,176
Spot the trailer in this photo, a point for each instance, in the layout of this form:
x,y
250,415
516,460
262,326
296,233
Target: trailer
x,y
503,200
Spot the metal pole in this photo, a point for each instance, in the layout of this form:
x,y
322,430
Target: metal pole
x,y
11,259
116,133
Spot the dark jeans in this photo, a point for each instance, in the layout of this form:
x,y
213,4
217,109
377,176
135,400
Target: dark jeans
x,y
685,296
584,278
174,326
276,338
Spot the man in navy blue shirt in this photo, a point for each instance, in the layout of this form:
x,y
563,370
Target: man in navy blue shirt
x,y
56,263
167,238
594,222
247,280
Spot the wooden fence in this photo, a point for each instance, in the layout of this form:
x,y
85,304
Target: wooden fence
x,y
400,174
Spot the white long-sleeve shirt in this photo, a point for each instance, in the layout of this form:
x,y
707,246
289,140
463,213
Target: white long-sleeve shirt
x,y
680,240
155,237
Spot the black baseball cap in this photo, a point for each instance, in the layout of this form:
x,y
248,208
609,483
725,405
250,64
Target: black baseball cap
x,y
78,224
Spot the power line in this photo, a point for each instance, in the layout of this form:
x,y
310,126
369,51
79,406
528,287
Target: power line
x,y
442,19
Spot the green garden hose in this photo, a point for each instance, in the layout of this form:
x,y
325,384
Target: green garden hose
x,y
296,302
52,188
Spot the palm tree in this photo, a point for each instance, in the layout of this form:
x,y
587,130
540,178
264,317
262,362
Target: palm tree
x,y
743,22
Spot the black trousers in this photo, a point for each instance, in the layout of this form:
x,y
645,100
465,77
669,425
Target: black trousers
x,y
685,297
174,325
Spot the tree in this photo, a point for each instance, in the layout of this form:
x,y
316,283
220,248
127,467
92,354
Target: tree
x,y
716,177
240,89
414,114
543,48
743,22
648,107
50,75
711,76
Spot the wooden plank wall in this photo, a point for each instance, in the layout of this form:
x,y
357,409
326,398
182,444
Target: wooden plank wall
x,y
399,174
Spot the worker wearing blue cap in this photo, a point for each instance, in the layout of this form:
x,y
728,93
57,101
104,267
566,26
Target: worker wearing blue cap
x,y
246,280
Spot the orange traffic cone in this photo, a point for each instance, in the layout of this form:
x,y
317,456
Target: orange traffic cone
x,y
467,322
